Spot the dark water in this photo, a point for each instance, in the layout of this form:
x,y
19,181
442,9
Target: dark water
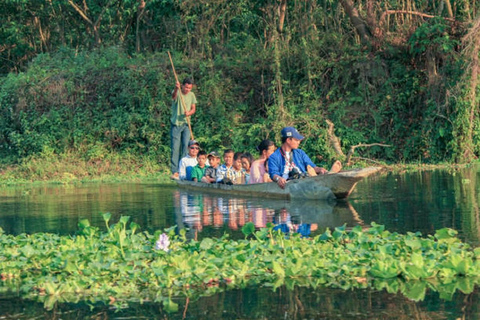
x,y
420,201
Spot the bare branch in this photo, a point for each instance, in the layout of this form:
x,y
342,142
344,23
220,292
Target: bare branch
x,y
356,20
281,15
80,11
352,149
415,13
334,140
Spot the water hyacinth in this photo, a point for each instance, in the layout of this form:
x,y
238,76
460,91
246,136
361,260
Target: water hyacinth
x,y
162,243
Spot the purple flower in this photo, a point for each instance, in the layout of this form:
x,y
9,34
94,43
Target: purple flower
x,y
162,243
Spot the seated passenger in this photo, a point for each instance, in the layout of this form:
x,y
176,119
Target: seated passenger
x,y
247,160
189,161
199,170
211,172
258,170
289,159
237,174
226,167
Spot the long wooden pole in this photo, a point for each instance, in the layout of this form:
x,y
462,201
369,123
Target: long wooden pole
x,y
181,97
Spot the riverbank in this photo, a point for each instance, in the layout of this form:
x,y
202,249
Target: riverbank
x,y
71,168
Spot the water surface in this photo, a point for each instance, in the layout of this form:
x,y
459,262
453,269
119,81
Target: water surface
x,y
410,202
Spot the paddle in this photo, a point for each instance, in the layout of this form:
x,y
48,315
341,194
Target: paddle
x,y
181,98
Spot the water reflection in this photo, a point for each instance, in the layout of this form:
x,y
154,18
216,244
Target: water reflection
x,y
418,201
265,303
423,201
200,212
59,208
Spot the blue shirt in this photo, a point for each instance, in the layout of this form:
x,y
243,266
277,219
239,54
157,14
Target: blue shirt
x,y
276,162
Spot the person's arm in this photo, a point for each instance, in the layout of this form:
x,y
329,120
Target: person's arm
x,y
255,174
221,171
274,169
306,161
274,166
320,170
304,158
182,170
210,175
195,174
192,111
175,91
193,105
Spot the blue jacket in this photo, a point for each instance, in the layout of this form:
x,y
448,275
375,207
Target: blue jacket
x,y
276,162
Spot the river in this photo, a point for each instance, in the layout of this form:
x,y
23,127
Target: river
x,y
421,201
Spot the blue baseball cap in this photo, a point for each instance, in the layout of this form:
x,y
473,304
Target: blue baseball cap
x,y
291,132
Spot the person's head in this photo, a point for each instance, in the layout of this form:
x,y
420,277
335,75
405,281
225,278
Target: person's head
x,y
187,85
228,157
266,148
214,159
193,148
237,160
291,137
202,159
247,160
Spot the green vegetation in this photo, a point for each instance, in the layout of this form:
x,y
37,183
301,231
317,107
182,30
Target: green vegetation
x,y
91,80
72,168
124,265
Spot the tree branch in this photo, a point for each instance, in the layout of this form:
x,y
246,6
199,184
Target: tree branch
x,y
334,140
415,13
352,149
281,15
80,11
356,20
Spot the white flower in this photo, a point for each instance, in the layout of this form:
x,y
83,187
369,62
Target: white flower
x,y
162,243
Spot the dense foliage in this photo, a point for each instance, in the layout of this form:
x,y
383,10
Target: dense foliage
x,y
93,77
122,265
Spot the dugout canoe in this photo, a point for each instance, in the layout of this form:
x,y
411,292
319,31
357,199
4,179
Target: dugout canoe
x,y
322,187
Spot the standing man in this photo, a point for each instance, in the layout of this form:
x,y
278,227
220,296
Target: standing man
x,y
180,132
289,158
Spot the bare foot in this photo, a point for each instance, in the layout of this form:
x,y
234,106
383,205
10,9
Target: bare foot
x,y
336,167
311,171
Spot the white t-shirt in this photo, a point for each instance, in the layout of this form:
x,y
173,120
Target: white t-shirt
x,y
289,165
185,162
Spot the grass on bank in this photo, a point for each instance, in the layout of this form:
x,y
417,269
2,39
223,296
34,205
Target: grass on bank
x,y
73,167
76,167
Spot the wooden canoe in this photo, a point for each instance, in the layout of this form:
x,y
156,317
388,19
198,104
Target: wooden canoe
x,y
322,187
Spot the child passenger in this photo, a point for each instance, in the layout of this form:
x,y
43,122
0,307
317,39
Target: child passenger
x,y
211,172
226,167
247,160
237,175
199,170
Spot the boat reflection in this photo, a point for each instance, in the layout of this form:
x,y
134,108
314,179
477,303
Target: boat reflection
x,y
198,211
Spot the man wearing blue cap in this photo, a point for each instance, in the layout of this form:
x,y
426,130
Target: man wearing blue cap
x,y
289,158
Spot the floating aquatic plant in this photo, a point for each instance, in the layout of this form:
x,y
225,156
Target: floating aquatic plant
x,y
123,265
